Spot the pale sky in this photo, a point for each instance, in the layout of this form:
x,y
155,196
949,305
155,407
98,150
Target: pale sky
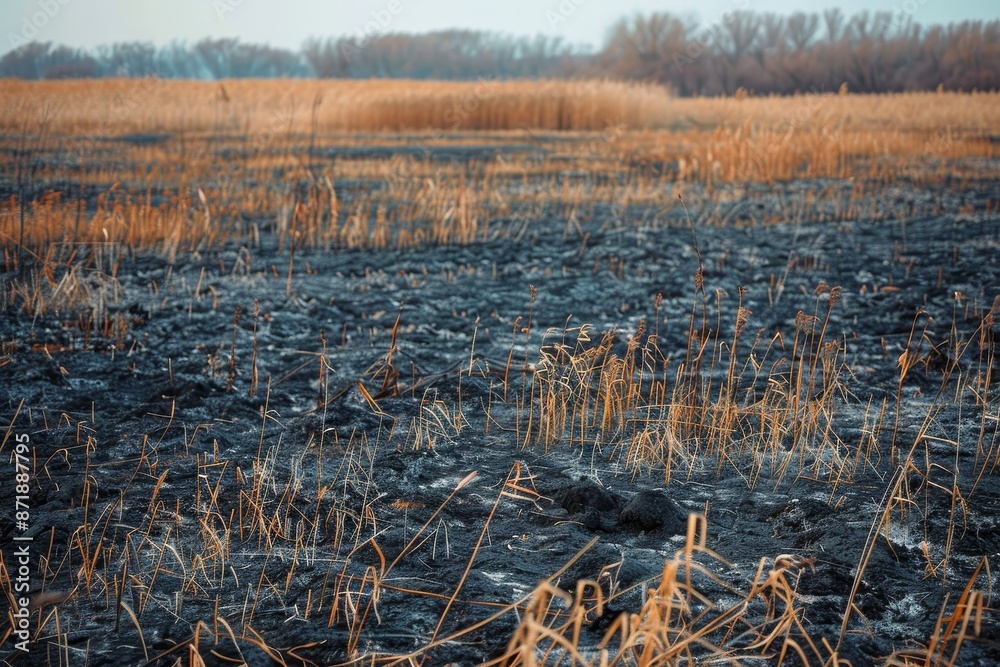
x,y
286,23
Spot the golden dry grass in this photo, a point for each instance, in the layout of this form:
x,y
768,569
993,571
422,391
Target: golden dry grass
x,y
191,166
150,105
123,106
185,165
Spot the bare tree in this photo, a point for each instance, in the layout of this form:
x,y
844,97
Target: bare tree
x,y
642,44
774,32
802,29
28,61
735,38
833,21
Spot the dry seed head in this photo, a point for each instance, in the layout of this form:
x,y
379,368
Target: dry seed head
x,y
742,317
804,321
822,288
993,314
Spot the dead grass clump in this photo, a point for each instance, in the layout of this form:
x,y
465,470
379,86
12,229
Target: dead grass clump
x,y
678,623
84,298
761,408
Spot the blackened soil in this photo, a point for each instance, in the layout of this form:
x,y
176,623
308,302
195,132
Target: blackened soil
x,y
173,481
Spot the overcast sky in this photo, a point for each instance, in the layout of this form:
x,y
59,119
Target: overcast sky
x,y
286,23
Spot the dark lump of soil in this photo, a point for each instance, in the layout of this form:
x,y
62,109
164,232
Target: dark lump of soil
x,y
653,511
195,430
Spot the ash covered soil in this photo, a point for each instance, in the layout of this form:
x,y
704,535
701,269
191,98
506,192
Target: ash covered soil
x,y
277,507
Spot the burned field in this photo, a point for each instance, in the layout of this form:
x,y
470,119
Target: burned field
x,y
621,397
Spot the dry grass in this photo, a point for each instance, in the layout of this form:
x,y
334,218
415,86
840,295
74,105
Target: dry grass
x,y
678,622
114,107
215,172
188,166
124,106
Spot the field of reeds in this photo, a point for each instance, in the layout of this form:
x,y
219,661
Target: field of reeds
x,y
558,373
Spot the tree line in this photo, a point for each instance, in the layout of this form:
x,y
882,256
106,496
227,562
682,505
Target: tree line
x,y
762,53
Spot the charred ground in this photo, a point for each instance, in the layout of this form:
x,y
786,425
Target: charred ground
x,y
261,464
